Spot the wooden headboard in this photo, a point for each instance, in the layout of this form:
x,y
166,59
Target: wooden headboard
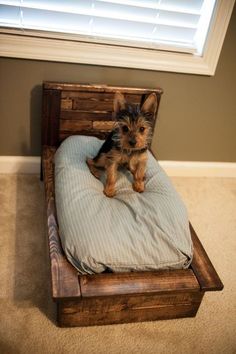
x,y
70,109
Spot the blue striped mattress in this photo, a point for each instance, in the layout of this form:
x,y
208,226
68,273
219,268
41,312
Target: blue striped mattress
x,y
130,232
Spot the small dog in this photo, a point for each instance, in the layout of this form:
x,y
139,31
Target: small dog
x,y
127,143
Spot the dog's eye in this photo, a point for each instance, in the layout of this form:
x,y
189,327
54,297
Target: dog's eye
x,y
125,129
141,129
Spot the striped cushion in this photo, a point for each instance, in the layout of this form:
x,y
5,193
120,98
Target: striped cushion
x,y
130,232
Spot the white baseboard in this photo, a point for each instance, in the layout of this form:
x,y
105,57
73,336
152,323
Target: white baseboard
x,y
20,164
199,169
31,165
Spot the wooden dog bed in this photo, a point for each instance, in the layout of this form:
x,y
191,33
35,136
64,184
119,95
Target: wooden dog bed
x,y
109,298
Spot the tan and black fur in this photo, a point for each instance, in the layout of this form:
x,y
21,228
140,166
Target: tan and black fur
x,y
127,144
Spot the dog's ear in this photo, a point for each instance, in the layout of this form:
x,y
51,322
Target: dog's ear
x,y
119,103
150,105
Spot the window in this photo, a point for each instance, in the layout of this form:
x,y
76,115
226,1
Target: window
x,y
173,35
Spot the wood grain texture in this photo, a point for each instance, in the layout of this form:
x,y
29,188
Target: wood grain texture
x,y
77,319
103,125
98,96
85,115
50,117
63,276
66,104
97,88
92,105
75,125
126,309
138,283
77,109
202,267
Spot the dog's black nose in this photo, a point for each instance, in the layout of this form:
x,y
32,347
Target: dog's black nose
x,y
132,142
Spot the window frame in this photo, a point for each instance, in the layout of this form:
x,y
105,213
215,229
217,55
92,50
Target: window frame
x,y
66,48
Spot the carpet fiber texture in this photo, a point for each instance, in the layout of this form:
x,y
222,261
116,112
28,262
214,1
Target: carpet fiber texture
x,y
27,313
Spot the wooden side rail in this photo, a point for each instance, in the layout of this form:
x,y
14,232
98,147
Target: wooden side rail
x,y
64,276
202,267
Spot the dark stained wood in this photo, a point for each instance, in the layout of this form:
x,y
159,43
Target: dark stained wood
x,y
98,88
50,113
76,319
126,309
109,298
66,104
92,105
63,276
203,269
75,125
70,109
97,96
138,283
88,95
83,115
97,103
103,125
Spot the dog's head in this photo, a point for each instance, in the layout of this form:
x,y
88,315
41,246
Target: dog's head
x,y
134,123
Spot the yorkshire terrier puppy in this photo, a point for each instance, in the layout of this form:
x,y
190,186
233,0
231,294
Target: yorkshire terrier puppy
x,y
127,143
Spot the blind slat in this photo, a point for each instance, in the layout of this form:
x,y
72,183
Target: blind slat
x,y
153,17
191,7
183,6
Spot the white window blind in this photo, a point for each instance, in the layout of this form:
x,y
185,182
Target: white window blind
x,y
175,25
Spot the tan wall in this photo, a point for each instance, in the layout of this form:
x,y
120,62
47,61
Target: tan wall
x,y
197,116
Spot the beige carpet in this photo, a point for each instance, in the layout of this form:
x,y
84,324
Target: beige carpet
x,y
27,314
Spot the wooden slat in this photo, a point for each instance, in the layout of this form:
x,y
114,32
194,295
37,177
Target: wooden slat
x,y
77,319
125,309
66,104
103,125
202,267
129,302
98,96
63,275
102,96
73,87
86,115
138,283
75,125
99,88
92,105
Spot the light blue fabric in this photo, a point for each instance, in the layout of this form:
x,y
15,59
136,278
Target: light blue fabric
x,y
130,232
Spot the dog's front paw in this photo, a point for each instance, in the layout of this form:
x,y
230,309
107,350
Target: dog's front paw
x,y
109,192
138,186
